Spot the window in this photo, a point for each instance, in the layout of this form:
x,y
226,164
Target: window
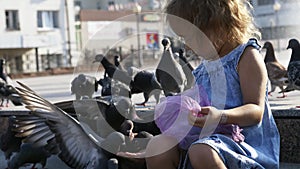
x,y
265,2
47,19
12,20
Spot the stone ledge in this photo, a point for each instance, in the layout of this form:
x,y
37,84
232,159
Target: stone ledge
x,y
288,124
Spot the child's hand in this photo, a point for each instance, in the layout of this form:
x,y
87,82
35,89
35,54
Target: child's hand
x,y
199,118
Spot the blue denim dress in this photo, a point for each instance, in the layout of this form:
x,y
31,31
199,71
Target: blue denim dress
x,y
220,80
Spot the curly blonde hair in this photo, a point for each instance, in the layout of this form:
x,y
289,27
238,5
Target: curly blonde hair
x,y
231,18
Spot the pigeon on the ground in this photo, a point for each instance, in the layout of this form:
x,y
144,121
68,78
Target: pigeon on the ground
x,y
169,73
187,69
113,71
9,143
117,60
17,153
84,86
3,76
294,67
145,81
277,73
29,154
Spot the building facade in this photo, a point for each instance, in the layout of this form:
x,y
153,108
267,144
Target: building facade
x,y
278,20
36,34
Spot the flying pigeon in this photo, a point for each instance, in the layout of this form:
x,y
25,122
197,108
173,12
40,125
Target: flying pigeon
x,y
169,73
76,147
293,67
277,73
187,69
84,86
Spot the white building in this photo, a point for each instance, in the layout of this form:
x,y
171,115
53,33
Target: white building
x,y
115,5
36,34
278,20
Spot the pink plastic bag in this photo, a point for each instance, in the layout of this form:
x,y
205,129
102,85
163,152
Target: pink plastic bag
x,y
171,117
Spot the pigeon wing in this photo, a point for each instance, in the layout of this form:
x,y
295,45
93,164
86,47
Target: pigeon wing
x,y
78,149
276,70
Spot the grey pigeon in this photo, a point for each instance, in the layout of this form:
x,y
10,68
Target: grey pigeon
x,y
77,148
169,73
117,60
29,154
113,71
293,66
277,73
84,86
3,76
17,153
145,82
9,143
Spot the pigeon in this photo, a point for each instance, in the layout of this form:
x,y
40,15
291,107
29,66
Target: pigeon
x,y
112,87
8,142
293,67
145,82
3,76
113,71
29,153
187,69
84,86
117,60
74,143
277,73
169,73
17,153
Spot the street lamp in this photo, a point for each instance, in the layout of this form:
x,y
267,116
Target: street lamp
x,y
137,10
77,9
277,7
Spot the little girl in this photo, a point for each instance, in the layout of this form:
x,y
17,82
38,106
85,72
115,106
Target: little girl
x,y
234,78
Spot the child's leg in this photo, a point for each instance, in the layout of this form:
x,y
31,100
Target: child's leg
x,y
162,153
203,156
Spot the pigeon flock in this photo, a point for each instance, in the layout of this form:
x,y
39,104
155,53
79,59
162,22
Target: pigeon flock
x,y
89,131
287,79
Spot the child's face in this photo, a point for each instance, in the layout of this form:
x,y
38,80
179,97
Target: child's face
x,y
194,38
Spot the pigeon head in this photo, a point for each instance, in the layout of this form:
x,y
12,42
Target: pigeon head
x,y
166,43
293,43
126,127
267,45
98,58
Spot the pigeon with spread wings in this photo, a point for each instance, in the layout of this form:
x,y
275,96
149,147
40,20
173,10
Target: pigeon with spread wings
x,y
75,144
